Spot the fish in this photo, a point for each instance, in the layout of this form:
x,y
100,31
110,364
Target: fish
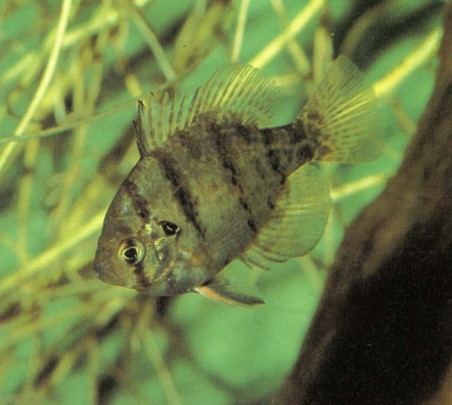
x,y
218,180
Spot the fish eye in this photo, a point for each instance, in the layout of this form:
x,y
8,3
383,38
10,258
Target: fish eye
x,y
131,252
169,228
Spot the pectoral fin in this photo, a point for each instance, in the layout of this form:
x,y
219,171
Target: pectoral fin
x,y
297,221
223,293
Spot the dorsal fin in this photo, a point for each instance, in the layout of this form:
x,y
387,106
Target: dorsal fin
x,y
239,93
158,119
342,115
298,219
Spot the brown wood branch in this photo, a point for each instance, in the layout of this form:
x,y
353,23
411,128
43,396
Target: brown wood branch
x,y
382,332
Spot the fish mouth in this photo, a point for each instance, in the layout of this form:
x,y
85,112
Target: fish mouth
x,y
103,274
104,270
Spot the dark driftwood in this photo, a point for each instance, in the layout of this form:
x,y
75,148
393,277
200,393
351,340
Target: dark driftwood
x,y
382,333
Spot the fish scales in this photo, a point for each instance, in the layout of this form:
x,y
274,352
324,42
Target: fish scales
x,y
215,182
221,181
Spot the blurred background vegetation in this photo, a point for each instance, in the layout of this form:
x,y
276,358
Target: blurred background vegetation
x,y
70,74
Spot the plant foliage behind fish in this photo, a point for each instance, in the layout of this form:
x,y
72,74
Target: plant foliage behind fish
x,y
68,143
216,181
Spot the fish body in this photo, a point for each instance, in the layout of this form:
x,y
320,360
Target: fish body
x,y
216,182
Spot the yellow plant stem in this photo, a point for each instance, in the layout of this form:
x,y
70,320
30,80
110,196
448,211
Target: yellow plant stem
x,y
152,350
54,253
374,180
24,199
154,44
422,54
295,26
239,32
298,54
49,71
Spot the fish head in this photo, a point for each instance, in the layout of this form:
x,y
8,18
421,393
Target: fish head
x,y
137,250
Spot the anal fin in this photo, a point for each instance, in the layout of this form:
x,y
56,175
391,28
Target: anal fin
x,y
223,293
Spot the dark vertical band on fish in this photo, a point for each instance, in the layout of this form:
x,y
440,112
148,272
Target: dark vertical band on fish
x,y
182,193
225,153
139,202
139,272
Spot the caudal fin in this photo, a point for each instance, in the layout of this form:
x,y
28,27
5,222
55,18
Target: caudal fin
x,y
342,116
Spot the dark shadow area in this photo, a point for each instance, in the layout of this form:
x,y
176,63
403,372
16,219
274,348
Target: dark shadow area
x,y
382,332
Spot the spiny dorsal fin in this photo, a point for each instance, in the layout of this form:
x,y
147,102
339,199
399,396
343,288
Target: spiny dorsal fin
x,y
239,93
158,119
342,115
298,219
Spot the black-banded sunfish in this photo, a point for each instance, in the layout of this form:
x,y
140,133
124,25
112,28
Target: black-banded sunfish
x,y
216,181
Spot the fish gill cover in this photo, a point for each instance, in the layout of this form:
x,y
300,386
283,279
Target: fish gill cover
x,y
70,77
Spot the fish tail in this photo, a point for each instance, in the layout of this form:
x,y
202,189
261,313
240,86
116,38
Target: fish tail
x,y
341,116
